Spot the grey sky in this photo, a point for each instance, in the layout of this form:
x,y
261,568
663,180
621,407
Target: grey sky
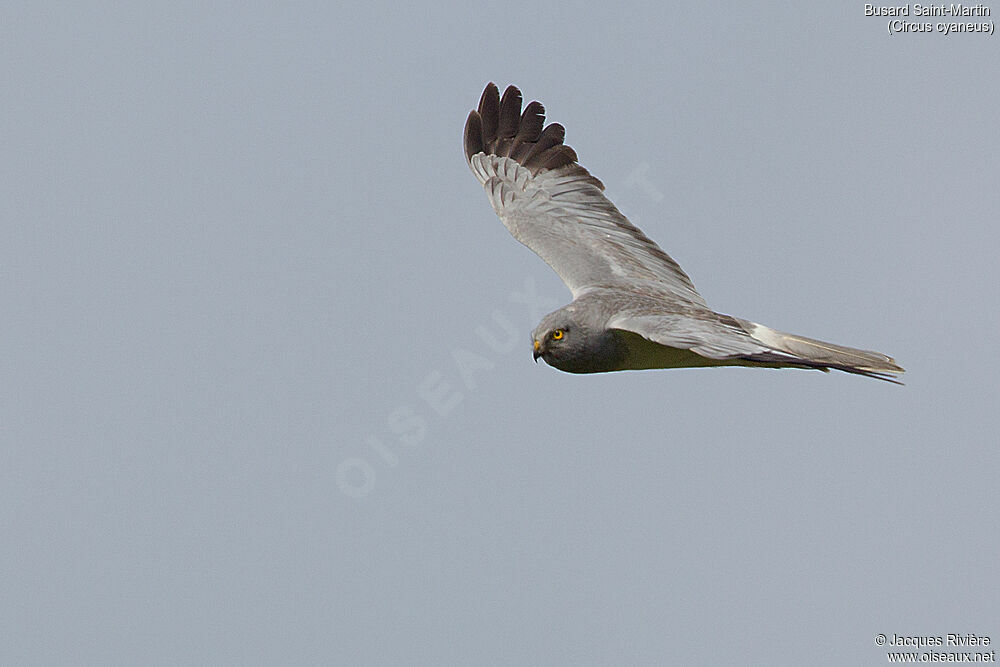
x,y
242,247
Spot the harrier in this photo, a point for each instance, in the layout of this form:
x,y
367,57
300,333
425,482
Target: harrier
x,y
633,306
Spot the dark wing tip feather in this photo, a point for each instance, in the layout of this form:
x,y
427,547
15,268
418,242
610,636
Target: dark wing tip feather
x,y
473,135
489,113
510,113
557,156
532,120
505,131
528,132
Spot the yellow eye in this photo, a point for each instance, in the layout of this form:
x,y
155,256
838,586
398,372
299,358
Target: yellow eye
x,y
557,334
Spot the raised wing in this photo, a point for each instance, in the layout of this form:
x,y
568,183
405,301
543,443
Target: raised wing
x,y
554,206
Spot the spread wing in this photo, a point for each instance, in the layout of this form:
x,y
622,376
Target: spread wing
x,y
554,206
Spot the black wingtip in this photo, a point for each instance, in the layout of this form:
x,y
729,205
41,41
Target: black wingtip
x,y
504,130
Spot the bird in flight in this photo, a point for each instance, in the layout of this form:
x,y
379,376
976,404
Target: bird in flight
x,y
633,306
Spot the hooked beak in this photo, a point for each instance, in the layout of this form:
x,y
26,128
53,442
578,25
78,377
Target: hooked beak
x,y
538,351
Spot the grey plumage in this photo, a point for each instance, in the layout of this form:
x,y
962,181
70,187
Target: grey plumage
x,y
634,307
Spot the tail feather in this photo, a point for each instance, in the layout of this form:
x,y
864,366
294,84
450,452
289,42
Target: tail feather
x,y
813,353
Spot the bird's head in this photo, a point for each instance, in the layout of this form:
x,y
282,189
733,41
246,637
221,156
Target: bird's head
x,y
568,343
